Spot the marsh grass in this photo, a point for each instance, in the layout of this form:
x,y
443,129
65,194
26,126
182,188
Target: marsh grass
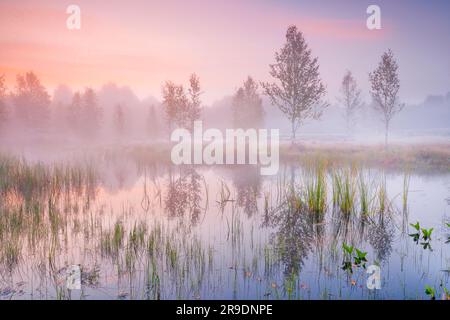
x,y
48,212
421,157
224,196
382,199
34,202
365,197
344,189
406,182
315,188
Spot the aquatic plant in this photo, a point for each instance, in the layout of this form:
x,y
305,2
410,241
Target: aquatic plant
x,y
315,189
415,236
406,181
350,260
425,233
448,235
430,291
344,190
382,195
365,200
446,294
347,260
224,195
360,258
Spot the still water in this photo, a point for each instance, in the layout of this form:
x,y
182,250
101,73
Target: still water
x,y
164,232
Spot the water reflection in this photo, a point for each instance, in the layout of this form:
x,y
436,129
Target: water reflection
x,y
293,237
142,230
381,235
184,194
247,182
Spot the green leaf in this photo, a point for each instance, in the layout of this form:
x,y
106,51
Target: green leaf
x,y
347,266
348,249
416,226
361,254
427,233
426,245
415,236
430,291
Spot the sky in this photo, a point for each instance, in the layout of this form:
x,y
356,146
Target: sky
x,y
142,44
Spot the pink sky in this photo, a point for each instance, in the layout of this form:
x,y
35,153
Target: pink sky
x,y
144,43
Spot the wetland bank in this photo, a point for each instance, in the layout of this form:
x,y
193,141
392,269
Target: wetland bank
x,y
141,228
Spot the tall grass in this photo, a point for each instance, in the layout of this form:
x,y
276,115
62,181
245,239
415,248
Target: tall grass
x,y
365,191
406,181
344,190
315,189
382,196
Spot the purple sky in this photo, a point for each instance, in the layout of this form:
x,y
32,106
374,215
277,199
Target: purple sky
x,y
144,43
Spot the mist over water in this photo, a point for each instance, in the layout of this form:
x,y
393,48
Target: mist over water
x,y
87,180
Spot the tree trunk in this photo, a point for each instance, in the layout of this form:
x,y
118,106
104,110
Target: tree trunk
x,y
348,127
293,132
386,131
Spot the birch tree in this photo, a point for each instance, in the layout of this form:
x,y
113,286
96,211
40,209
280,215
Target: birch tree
x,y
247,106
298,91
350,99
385,86
31,100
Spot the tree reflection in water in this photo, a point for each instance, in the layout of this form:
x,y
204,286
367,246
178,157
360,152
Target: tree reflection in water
x,y
294,235
184,194
381,234
247,181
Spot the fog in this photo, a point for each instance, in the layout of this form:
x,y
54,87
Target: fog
x,y
144,121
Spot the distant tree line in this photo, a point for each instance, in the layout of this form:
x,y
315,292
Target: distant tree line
x,y
182,106
297,90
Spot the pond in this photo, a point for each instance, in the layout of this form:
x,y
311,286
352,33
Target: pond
x,y
155,231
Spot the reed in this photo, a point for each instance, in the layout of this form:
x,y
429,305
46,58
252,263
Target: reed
x,y
344,190
365,196
315,189
406,181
